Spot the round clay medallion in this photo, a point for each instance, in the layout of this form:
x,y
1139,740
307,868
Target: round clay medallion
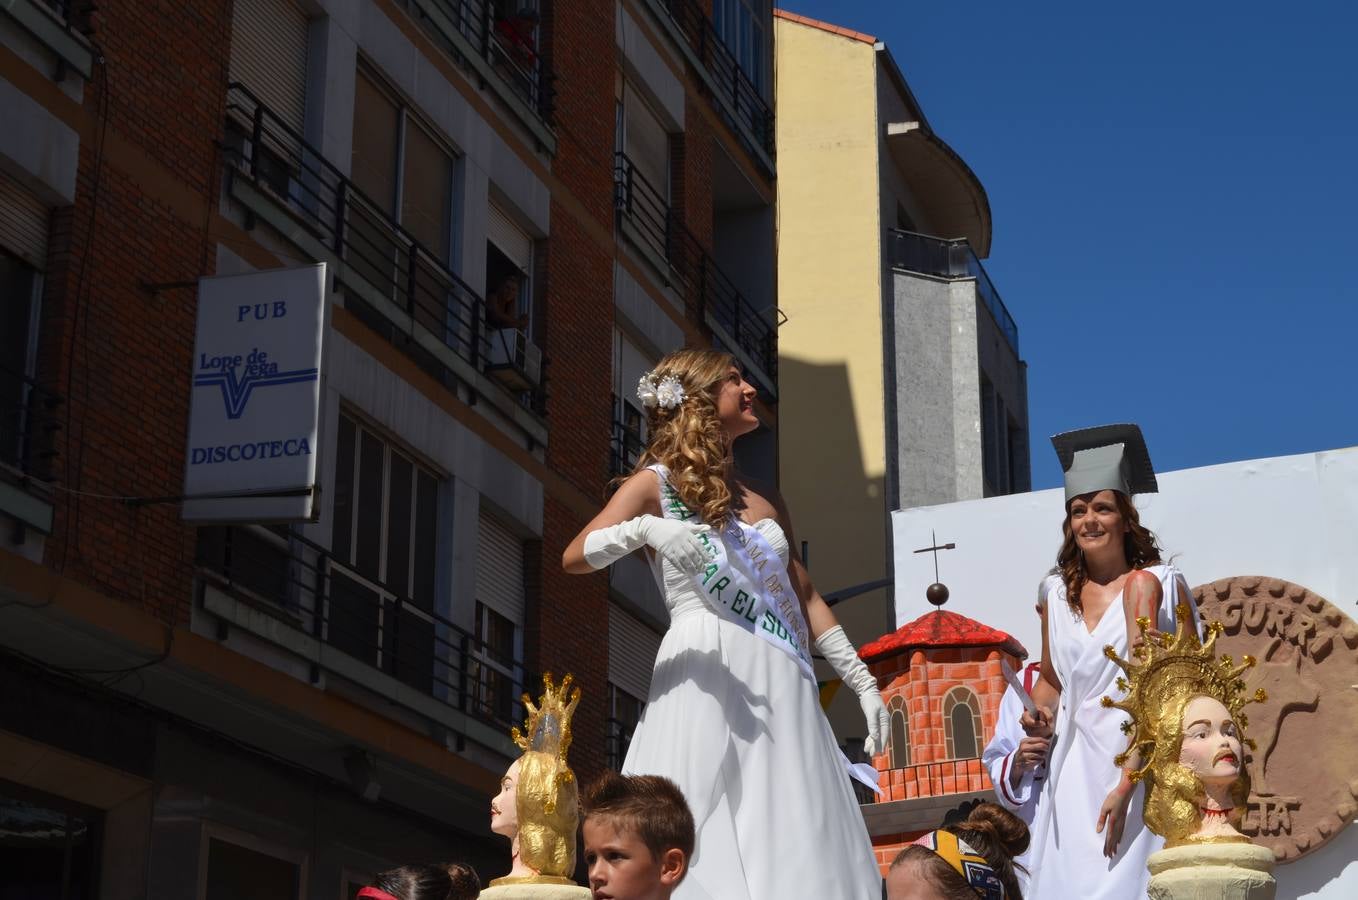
x,y
1304,771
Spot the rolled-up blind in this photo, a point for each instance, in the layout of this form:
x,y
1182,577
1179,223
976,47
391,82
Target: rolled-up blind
x,y
499,569
23,223
512,240
632,646
269,56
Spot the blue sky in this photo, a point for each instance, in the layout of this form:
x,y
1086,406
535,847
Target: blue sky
x,y
1174,190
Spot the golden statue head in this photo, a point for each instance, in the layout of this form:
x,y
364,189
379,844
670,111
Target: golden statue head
x,y
542,790
1187,731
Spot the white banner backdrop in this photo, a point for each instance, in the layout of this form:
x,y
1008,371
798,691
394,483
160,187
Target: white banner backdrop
x,y
255,407
1289,517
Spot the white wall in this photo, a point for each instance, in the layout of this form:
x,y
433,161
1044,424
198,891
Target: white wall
x,y
1290,517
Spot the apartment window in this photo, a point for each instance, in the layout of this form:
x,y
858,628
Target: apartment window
x,y
248,870
491,669
20,293
500,604
402,167
961,724
49,847
253,558
900,733
269,42
385,542
624,712
743,26
629,420
509,273
996,453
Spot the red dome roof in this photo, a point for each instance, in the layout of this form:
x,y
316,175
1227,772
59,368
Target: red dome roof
x,y
941,628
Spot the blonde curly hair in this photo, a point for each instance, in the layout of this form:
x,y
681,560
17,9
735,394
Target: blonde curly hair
x,y
689,440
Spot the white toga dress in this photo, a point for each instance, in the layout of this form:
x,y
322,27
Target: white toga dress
x,y
1081,771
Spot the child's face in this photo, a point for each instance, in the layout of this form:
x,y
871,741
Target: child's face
x,y
622,867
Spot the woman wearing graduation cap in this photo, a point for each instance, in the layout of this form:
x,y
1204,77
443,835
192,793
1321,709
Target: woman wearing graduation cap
x,y
1089,834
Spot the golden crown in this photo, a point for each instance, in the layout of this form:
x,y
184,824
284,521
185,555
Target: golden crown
x,y
547,727
1171,668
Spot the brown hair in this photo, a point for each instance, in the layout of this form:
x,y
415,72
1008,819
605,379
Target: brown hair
x,y
992,831
651,807
446,881
1138,544
689,440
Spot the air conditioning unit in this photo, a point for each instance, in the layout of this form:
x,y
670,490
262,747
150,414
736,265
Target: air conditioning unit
x,y
514,360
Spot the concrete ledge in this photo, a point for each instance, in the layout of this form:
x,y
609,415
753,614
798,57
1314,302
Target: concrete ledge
x,y
43,24
276,631
27,508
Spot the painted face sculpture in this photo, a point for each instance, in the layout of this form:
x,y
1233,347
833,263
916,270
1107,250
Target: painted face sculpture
x,y
538,807
1211,743
1186,733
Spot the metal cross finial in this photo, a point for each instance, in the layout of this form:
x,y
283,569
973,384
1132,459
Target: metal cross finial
x,y
933,536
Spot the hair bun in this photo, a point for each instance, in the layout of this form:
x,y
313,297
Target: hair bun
x,y
1007,829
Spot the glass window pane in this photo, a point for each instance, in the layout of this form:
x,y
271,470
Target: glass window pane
x,y
341,545
367,544
398,526
43,847
427,191
376,124
238,873
426,536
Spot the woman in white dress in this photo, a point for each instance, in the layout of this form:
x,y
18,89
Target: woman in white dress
x,y
733,715
1089,835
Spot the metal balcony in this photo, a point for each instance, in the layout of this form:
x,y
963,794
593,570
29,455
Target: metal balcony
x,y
950,258
398,285
734,94
501,50
646,219
297,583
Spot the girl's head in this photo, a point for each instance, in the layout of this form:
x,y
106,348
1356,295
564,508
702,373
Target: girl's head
x,y
1102,525
448,881
697,403
983,845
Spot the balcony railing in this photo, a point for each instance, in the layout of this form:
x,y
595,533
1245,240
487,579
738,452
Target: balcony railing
x,y
648,220
936,779
406,277
950,258
360,616
728,79
29,422
473,32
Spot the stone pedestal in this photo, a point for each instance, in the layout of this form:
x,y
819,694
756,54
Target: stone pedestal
x,y
535,892
1238,871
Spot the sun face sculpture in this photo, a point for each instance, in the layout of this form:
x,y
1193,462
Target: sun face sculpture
x,y
1186,732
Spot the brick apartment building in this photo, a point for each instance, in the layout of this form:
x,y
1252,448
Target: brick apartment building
x,y
520,205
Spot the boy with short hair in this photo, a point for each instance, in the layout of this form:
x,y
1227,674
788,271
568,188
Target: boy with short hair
x,y
639,837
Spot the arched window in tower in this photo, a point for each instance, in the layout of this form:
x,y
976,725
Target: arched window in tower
x,y
900,733
961,724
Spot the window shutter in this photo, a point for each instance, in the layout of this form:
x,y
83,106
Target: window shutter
x,y
512,240
648,144
23,223
269,56
499,569
632,647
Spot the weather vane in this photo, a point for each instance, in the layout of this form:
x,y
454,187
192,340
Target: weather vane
x,y
936,593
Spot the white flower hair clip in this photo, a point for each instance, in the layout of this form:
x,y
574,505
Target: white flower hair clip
x,y
667,393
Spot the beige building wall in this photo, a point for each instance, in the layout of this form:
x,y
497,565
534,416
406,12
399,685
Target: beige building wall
x,y
831,413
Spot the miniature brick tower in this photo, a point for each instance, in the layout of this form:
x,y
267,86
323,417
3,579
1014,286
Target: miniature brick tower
x,y
940,678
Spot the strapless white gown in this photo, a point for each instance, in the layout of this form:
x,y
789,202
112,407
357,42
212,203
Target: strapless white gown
x,y
732,721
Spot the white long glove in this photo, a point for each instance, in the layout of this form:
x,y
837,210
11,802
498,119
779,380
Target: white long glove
x,y
835,647
674,540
